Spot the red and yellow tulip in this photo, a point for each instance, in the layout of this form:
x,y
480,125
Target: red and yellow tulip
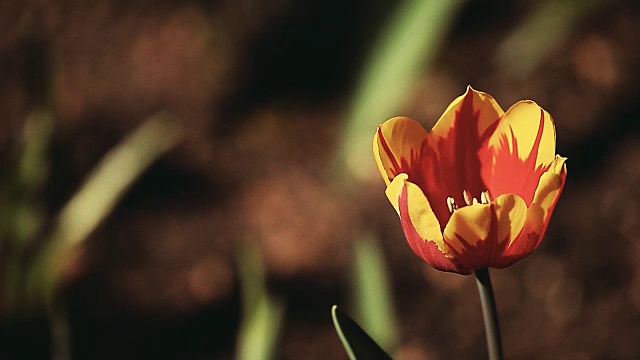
x,y
478,189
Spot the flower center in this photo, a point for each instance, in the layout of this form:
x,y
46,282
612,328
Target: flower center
x,y
453,206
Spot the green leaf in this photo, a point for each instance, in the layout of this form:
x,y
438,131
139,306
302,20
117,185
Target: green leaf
x,y
373,297
356,342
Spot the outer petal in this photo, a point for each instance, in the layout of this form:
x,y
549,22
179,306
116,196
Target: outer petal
x,y
539,213
478,234
522,149
449,158
395,189
420,224
396,142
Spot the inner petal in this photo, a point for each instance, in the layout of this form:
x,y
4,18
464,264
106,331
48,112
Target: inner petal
x,y
511,213
468,226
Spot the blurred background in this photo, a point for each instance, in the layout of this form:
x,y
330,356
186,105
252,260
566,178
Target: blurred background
x,y
194,179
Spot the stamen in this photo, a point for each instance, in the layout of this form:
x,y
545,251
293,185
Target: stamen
x,y
467,197
484,197
451,204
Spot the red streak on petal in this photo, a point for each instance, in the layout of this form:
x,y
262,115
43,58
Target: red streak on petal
x,y
488,252
451,164
525,244
395,169
480,254
531,236
531,159
424,248
511,175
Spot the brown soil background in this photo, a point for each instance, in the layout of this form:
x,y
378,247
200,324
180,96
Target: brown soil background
x,y
261,89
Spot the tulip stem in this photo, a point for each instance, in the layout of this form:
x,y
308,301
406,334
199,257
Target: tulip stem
x,y
490,314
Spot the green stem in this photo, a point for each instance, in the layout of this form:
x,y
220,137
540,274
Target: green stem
x,y
490,314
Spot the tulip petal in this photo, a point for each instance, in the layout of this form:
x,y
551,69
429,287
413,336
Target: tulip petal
x,y
478,234
484,105
449,159
473,148
396,142
530,237
539,213
511,213
395,189
550,186
420,225
468,226
522,148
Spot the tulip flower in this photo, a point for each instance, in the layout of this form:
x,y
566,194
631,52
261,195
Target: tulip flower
x,y
478,190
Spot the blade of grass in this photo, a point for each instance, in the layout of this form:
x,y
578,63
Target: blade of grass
x,y
21,213
99,194
260,329
262,314
372,289
95,200
406,48
546,28
33,171
112,177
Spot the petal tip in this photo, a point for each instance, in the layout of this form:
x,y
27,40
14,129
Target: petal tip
x,y
559,165
395,188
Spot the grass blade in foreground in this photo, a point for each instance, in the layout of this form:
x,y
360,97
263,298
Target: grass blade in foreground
x,y
356,342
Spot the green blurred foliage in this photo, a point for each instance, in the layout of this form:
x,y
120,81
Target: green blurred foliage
x,y
262,313
407,47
